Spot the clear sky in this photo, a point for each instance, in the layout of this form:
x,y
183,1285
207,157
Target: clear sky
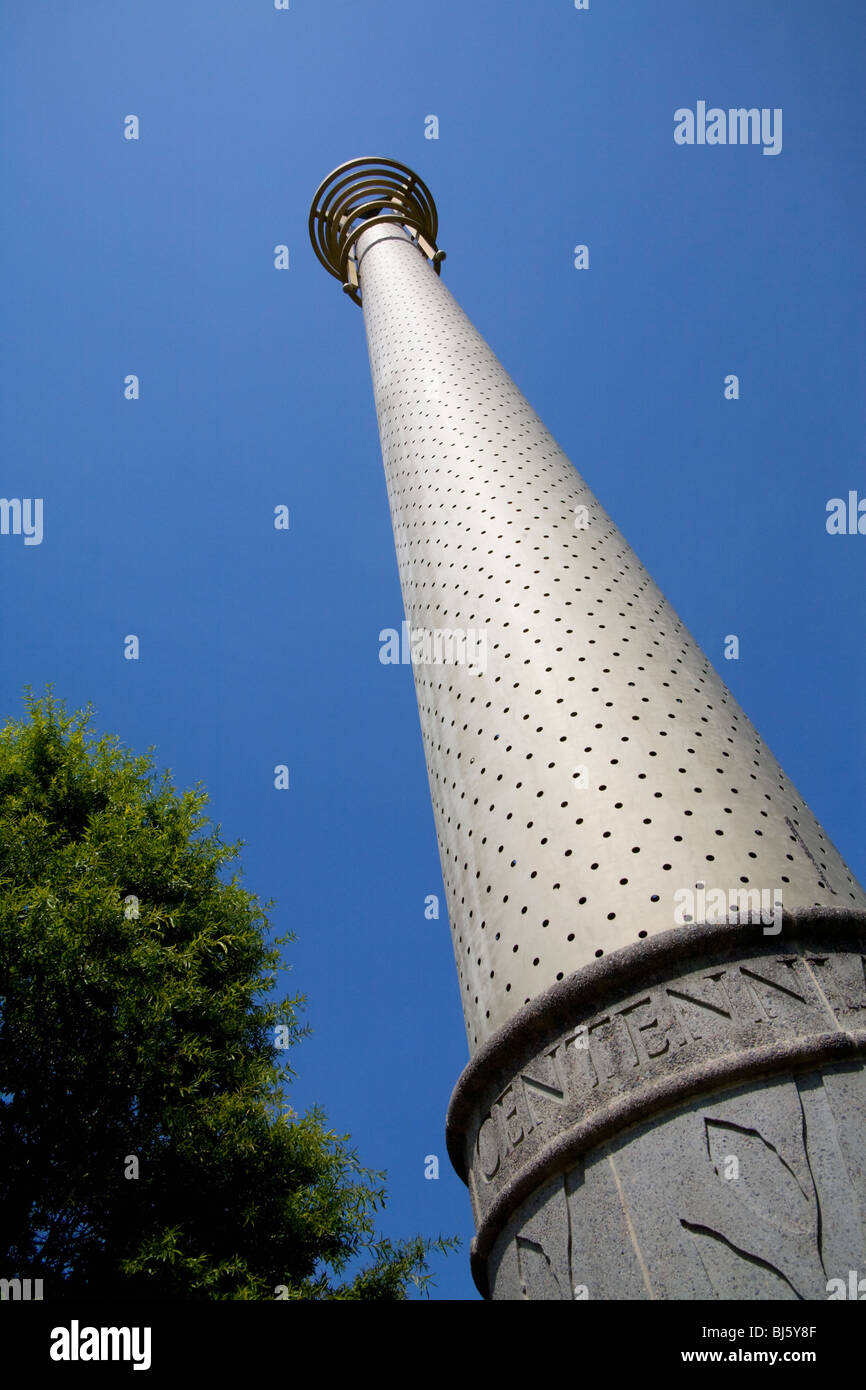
x,y
260,647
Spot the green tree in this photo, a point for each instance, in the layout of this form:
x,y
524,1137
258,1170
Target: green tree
x,y
138,1032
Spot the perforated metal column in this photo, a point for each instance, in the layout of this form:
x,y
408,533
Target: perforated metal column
x,y
599,764
661,956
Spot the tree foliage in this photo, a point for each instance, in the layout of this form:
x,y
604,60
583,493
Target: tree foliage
x,y
138,1033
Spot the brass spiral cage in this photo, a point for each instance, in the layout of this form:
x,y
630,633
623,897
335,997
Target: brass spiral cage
x,y
363,193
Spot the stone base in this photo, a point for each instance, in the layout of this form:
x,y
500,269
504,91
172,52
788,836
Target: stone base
x,y
682,1120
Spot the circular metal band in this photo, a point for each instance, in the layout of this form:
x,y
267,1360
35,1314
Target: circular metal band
x,y
363,193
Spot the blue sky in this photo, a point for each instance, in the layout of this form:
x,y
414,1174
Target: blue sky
x,y
260,647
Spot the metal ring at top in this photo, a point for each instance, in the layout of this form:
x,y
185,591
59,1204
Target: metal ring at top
x,y
363,193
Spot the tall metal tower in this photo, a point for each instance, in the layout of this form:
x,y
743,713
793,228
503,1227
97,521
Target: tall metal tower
x,y
661,955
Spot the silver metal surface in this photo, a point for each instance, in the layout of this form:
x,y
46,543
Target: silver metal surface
x,y
548,867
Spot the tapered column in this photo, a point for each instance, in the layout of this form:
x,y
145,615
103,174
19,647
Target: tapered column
x,y
658,949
